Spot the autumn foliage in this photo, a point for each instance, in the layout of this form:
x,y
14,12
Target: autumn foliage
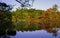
x,y
50,16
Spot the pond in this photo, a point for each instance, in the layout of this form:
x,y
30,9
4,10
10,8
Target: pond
x,y
32,30
36,34
33,34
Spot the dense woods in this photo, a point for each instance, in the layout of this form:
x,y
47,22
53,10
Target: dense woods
x,y
30,20
50,16
26,15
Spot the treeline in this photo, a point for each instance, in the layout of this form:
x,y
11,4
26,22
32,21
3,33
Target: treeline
x,y
49,16
26,15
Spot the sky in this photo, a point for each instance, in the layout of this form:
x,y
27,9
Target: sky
x,y
38,4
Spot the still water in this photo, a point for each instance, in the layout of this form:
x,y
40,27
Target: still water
x,y
35,34
30,31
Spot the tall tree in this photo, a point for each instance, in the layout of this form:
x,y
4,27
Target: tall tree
x,y
5,15
55,8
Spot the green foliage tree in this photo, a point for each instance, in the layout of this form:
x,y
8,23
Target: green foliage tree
x,y
5,16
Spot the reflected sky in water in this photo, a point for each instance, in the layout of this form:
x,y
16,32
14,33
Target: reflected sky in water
x,y
35,34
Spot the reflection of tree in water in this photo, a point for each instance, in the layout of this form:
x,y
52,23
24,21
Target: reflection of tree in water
x,y
7,34
54,33
36,26
53,30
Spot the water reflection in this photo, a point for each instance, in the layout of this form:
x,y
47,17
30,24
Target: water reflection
x,y
35,34
28,30
7,34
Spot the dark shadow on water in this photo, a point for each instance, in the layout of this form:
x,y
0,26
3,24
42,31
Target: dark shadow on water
x,y
7,34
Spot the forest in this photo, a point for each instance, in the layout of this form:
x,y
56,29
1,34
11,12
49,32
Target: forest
x,y
28,19
25,16
50,16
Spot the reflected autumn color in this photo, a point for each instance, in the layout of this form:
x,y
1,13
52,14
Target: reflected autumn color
x,y
27,27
